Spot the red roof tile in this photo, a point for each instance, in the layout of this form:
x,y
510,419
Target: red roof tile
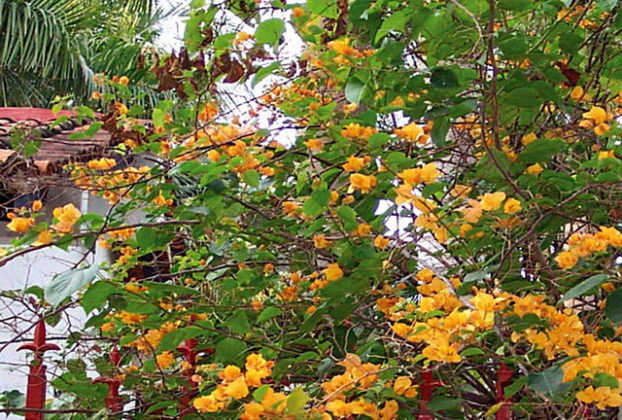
x,y
57,147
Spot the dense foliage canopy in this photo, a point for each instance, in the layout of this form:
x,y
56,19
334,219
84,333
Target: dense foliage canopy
x,y
429,186
53,48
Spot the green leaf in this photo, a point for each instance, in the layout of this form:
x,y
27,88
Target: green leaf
x,y
443,78
264,72
314,205
238,322
395,22
268,313
348,216
326,8
548,381
150,238
475,276
439,131
63,285
613,308
354,90
296,402
541,150
607,5
604,379
515,5
443,403
269,31
514,387
251,178
174,338
96,295
522,97
585,286
260,392
379,139
158,116
230,350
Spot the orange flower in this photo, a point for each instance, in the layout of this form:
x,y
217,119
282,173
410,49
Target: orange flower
x,y
321,242
165,359
44,238
21,224
333,272
314,144
381,242
364,183
566,260
534,169
492,201
354,164
512,205
410,132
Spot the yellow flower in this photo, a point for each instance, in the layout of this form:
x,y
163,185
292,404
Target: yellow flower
x,y
411,176
298,12
341,46
37,205
401,385
381,242
410,132
207,404
321,242
441,351
460,191
208,113
230,373
254,411
314,144
492,201
603,397
66,217
606,154
44,238
512,205
164,360
429,173
363,229
596,114
602,128
289,208
353,164
333,272
130,318
101,164
124,80
534,169
473,213
364,183
528,138
21,224
241,37
354,130
350,107
237,389
121,109
339,408
566,260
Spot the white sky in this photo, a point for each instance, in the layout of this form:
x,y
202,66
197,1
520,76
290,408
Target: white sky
x,y
172,27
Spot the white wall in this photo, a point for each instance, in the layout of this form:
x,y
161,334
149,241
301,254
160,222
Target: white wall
x,y
38,268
